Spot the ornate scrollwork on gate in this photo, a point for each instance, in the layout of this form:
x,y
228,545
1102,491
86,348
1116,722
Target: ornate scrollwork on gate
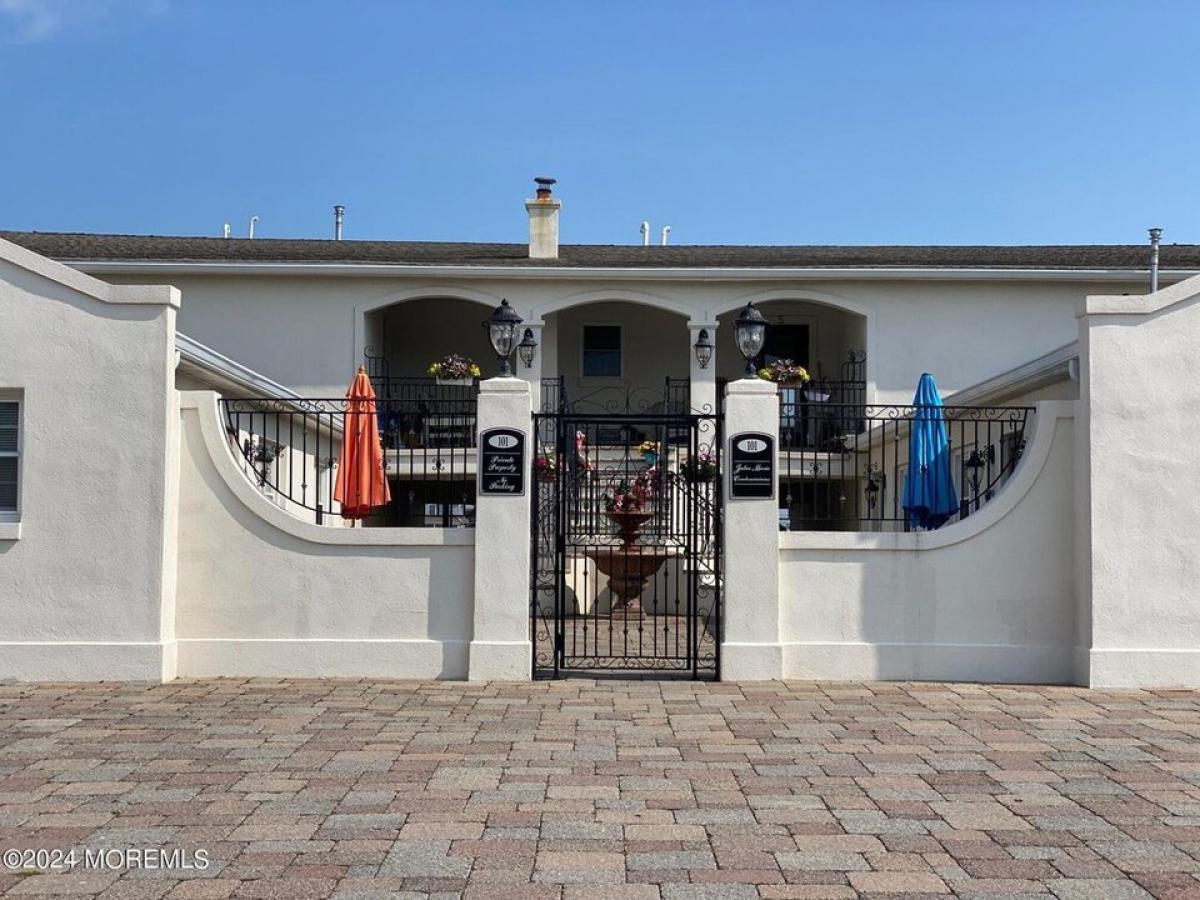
x,y
627,554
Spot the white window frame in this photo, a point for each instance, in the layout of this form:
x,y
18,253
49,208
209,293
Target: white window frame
x,y
14,515
583,350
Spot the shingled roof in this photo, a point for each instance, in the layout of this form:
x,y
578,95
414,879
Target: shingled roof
x,y
68,247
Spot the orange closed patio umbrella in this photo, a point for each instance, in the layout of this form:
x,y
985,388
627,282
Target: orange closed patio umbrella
x,y
361,480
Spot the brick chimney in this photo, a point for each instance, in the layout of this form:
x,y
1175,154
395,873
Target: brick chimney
x,y
543,221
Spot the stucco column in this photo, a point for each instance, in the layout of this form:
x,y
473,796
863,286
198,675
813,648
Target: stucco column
x,y
703,381
500,646
534,373
751,649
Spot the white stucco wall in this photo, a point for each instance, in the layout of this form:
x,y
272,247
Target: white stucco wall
x,y
261,593
990,598
1140,514
308,332
87,573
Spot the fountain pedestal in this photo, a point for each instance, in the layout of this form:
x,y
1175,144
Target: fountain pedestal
x,y
628,565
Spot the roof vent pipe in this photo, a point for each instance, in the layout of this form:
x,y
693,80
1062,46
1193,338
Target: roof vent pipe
x,y
1155,238
227,229
645,233
339,214
666,231
253,222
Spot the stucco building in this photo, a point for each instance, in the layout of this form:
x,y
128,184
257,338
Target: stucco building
x,y
171,414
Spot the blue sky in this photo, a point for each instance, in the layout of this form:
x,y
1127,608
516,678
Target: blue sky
x,y
790,122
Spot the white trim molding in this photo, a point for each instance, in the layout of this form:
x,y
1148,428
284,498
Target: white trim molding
x,y
323,658
891,661
592,273
87,660
228,371
1046,369
1139,304
76,278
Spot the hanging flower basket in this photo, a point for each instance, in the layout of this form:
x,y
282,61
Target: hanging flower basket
x,y
650,451
699,469
454,370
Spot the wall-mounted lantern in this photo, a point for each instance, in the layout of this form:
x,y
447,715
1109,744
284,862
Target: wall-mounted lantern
x,y
703,348
527,348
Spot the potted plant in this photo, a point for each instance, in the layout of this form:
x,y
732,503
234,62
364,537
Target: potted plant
x,y
785,373
650,451
700,468
454,369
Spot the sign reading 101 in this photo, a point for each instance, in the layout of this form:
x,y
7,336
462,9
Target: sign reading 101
x,y
751,466
502,461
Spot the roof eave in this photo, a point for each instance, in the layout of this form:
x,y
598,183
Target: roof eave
x,y
713,273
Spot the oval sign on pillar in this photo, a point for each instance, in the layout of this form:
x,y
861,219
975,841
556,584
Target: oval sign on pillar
x,y
502,462
751,466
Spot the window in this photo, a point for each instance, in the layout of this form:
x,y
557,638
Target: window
x,y
8,455
602,351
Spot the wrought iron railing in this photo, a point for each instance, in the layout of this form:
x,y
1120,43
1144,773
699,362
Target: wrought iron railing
x,y
553,394
290,449
599,457
677,396
843,465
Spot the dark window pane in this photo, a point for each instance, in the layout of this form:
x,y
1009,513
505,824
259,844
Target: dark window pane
x,y
8,428
602,337
602,351
602,363
8,482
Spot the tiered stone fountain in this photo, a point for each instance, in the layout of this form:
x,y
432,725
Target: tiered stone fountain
x,y
628,565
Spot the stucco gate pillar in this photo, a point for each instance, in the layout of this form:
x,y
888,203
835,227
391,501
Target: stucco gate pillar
x,y
500,645
751,649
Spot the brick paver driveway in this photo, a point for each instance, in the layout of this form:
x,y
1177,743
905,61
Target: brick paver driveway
x,y
614,789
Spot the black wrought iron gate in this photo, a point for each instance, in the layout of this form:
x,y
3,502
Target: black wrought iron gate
x,y
626,572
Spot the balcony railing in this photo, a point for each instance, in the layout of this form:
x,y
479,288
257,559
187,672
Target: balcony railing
x,y
553,394
843,465
290,449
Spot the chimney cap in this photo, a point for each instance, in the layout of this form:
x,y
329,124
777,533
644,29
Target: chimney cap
x,y
544,181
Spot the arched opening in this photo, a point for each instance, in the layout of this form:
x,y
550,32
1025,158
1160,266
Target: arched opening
x,y
820,337
427,424
618,355
406,337
820,481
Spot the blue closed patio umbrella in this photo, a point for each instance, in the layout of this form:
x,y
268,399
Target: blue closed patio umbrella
x,y
929,495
